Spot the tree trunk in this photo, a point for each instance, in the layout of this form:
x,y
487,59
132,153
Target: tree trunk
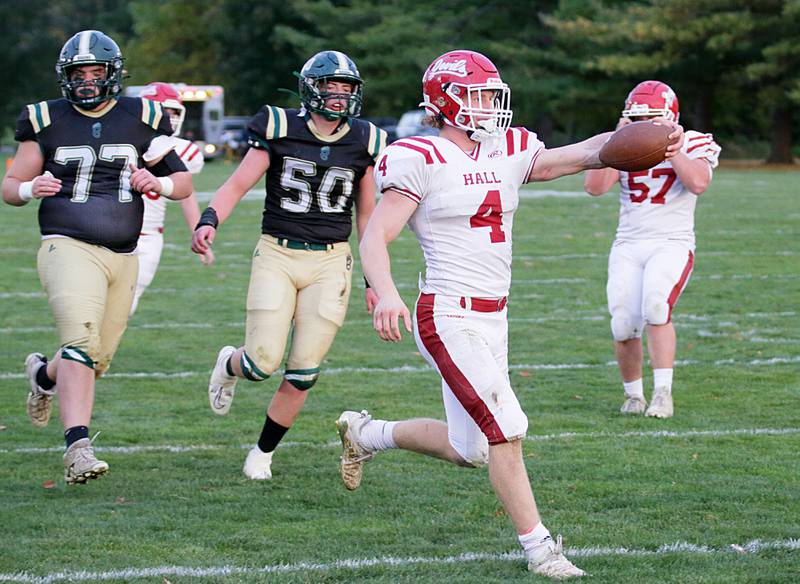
x,y
704,110
781,135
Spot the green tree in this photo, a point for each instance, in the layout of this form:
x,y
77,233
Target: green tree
x,y
703,48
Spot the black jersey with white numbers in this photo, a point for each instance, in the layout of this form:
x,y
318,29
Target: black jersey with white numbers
x,y
312,179
91,152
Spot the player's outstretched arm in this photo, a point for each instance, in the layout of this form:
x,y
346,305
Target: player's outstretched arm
x,y
24,180
386,223
573,158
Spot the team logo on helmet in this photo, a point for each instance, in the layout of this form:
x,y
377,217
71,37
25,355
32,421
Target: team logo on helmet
x,y
458,68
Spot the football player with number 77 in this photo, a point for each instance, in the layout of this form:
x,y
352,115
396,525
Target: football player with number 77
x,y
87,158
458,192
652,255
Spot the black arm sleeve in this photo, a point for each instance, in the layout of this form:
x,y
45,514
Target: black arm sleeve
x,y
169,164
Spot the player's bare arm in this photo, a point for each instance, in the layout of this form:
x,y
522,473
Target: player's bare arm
x,y
365,205
191,214
556,162
25,179
598,181
247,174
694,173
386,223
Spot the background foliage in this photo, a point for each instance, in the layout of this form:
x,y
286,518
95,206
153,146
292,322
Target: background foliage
x,y
735,64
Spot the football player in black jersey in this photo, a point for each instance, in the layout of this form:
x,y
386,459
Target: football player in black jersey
x,y
87,158
318,162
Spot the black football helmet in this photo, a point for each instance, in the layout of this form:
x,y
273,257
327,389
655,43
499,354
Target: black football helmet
x,y
90,47
330,66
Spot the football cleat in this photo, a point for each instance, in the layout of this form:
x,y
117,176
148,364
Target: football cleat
x,y
221,386
40,401
549,560
80,463
633,405
257,465
354,455
661,404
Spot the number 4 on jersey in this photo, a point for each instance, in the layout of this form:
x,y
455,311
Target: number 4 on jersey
x,y
490,214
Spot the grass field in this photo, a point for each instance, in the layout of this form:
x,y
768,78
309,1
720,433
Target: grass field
x,y
711,495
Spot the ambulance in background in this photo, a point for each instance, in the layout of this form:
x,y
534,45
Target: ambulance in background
x,y
205,109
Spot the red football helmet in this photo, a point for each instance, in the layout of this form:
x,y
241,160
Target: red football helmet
x,y
652,98
169,97
454,86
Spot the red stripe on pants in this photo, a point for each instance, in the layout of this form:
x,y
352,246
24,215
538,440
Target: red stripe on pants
x,y
678,288
460,386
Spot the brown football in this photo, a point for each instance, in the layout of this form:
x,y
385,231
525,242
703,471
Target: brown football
x,y
637,146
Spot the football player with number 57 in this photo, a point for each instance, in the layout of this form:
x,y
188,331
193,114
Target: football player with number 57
x,y
653,253
458,192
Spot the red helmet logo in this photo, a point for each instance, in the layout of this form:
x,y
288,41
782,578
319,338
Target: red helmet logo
x,y
652,98
464,87
169,97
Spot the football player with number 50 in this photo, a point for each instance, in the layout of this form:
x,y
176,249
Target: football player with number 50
x,y
653,253
318,162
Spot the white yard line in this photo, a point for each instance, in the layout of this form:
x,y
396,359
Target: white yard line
x,y
182,448
681,547
427,369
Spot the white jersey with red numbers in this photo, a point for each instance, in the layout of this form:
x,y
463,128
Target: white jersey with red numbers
x,y
155,206
655,204
466,206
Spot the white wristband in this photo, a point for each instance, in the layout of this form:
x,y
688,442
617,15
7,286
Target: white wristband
x,y
25,192
167,186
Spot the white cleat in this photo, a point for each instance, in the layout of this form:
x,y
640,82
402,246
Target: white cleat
x,y
549,560
661,404
40,401
221,386
257,465
351,467
80,463
633,405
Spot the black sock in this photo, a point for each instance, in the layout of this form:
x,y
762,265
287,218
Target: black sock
x,y
271,434
43,380
228,368
75,433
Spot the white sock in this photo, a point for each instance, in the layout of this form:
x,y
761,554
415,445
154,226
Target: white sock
x,y
634,388
534,538
663,378
376,435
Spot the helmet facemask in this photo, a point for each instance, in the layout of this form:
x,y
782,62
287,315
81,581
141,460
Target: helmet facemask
x,y
481,122
108,88
176,118
314,97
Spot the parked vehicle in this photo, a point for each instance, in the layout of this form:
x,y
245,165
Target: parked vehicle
x,y
410,124
205,109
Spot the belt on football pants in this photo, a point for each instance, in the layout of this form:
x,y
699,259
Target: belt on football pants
x,y
288,243
483,304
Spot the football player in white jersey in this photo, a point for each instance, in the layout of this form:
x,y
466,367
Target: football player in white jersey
x,y
458,193
151,238
653,252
